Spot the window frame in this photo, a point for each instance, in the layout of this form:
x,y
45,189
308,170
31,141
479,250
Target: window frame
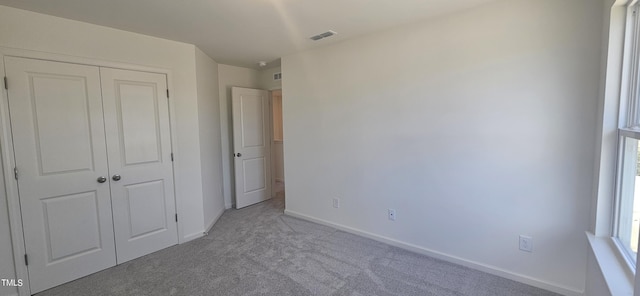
x,y
625,252
628,123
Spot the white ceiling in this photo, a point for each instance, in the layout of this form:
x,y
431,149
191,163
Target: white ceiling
x,y
243,32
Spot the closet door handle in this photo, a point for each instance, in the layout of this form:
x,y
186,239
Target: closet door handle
x,y
102,179
116,177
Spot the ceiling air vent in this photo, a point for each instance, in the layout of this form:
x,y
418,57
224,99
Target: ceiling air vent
x,y
323,35
277,76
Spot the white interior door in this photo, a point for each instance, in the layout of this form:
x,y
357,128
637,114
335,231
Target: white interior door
x,y
251,143
139,148
60,153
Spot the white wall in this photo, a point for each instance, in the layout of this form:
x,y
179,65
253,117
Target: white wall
x,y
475,127
37,32
229,76
210,143
265,79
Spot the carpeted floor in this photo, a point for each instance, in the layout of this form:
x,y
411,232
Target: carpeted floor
x,y
259,251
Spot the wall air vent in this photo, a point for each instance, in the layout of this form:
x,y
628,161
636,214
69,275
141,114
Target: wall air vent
x,y
323,35
277,76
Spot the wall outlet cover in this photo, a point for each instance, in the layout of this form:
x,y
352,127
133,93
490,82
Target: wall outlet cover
x,y
526,243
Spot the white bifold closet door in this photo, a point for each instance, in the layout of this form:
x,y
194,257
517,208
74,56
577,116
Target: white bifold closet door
x,y
92,152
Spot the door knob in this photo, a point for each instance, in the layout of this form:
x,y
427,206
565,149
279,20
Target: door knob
x,y
238,154
102,179
116,177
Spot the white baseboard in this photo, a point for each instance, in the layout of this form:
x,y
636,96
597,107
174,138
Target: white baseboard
x,y
446,257
213,221
190,237
197,235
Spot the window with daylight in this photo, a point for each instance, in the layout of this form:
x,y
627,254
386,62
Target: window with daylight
x,y
627,207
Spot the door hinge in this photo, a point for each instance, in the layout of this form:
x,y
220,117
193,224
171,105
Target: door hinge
x,y
26,259
171,156
6,84
176,217
167,93
15,172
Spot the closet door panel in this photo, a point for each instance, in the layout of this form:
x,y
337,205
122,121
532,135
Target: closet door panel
x,y
139,149
60,152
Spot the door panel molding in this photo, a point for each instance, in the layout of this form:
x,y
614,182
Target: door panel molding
x,y
79,224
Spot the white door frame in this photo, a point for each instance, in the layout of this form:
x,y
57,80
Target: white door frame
x,y
273,167
273,175
271,127
8,161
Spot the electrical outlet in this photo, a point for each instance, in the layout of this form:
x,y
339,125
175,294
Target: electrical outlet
x,y
526,243
336,203
392,214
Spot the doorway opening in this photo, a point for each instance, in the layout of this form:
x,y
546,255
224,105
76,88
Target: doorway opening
x,y
258,145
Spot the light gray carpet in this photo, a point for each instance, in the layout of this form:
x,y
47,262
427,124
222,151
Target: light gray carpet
x,y
259,251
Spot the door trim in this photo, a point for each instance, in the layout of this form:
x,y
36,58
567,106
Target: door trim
x,y
271,132
11,190
7,154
